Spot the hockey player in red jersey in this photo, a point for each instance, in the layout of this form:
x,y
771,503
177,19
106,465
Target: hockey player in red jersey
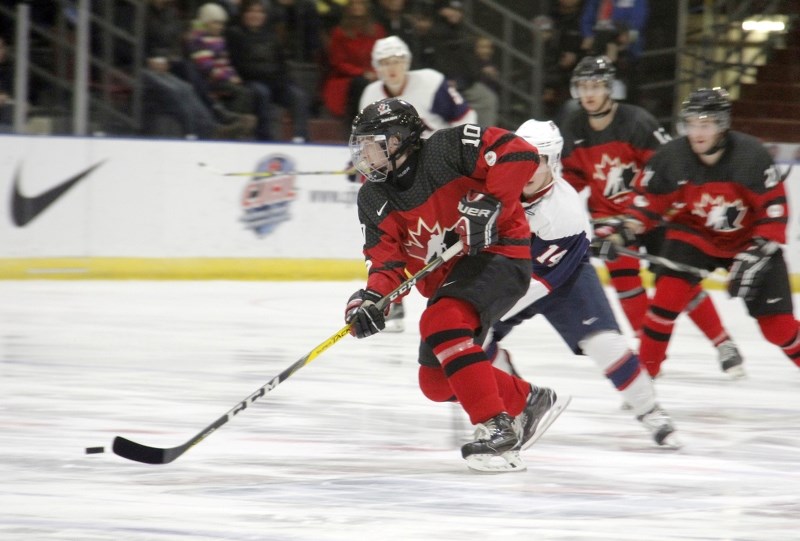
x,y
724,204
419,198
606,144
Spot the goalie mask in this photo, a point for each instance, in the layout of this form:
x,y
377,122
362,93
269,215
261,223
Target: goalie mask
x,y
384,133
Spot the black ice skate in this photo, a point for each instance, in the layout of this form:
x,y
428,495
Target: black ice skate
x,y
658,422
730,360
541,410
495,446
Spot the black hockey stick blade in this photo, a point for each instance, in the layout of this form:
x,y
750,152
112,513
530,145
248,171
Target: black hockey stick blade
x,y
157,455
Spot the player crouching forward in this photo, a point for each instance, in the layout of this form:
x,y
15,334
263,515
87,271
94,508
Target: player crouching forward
x,y
421,196
565,288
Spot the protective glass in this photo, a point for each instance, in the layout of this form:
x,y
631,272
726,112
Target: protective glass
x,y
706,124
585,87
370,155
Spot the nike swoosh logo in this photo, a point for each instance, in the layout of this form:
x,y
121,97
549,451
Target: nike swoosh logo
x,y
380,210
579,141
773,301
448,283
25,209
589,321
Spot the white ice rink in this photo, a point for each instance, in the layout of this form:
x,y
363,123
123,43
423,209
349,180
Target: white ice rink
x,y
347,448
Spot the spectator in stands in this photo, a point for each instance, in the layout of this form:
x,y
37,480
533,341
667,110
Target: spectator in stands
x,y
485,56
562,51
350,59
6,89
615,28
172,104
453,55
300,29
258,57
330,14
394,17
208,50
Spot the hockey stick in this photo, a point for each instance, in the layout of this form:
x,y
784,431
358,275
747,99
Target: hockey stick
x,y
670,264
267,174
157,455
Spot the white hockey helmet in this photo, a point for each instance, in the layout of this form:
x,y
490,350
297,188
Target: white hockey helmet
x,y
546,137
389,47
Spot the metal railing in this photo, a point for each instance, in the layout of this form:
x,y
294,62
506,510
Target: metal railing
x,y
74,64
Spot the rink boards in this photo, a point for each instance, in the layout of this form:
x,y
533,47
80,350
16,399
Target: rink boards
x,y
109,208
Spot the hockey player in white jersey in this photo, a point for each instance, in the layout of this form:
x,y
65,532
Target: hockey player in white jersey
x,y
439,106
565,288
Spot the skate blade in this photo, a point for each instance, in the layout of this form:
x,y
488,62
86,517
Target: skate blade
x,y
671,442
736,372
510,461
562,401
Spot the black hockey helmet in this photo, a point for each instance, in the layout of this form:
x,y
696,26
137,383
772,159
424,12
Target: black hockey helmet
x,y
592,68
708,102
383,132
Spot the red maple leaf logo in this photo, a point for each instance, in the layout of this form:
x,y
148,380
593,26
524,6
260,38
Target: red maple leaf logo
x,y
428,241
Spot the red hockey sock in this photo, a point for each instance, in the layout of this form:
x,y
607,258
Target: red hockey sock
x,y
702,311
448,328
434,385
626,280
514,391
783,330
672,295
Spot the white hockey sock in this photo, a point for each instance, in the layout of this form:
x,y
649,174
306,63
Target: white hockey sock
x,y
620,365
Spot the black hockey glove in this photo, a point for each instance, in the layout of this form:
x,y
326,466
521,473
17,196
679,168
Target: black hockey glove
x,y
609,234
477,226
749,269
363,314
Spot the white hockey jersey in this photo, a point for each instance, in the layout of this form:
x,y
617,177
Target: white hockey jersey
x,y
439,106
560,236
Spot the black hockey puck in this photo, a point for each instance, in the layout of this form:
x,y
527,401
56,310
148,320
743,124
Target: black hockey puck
x,y
95,450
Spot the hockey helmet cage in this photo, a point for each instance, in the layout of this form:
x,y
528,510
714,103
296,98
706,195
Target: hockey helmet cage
x,y
547,139
389,47
592,68
708,102
372,133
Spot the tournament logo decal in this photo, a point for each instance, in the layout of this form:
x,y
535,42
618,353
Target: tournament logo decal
x,y
267,197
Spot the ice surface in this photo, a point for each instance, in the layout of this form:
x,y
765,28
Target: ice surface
x,y
348,448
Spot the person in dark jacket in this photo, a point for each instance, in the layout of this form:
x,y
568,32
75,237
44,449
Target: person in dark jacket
x,y
259,59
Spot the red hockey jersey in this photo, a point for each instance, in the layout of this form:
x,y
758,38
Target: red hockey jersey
x,y
403,230
607,161
719,209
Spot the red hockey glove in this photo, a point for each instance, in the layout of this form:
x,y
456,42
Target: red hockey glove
x,y
477,226
363,314
749,269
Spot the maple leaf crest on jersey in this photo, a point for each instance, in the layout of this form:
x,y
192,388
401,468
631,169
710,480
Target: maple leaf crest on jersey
x,y
618,176
428,242
720,215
